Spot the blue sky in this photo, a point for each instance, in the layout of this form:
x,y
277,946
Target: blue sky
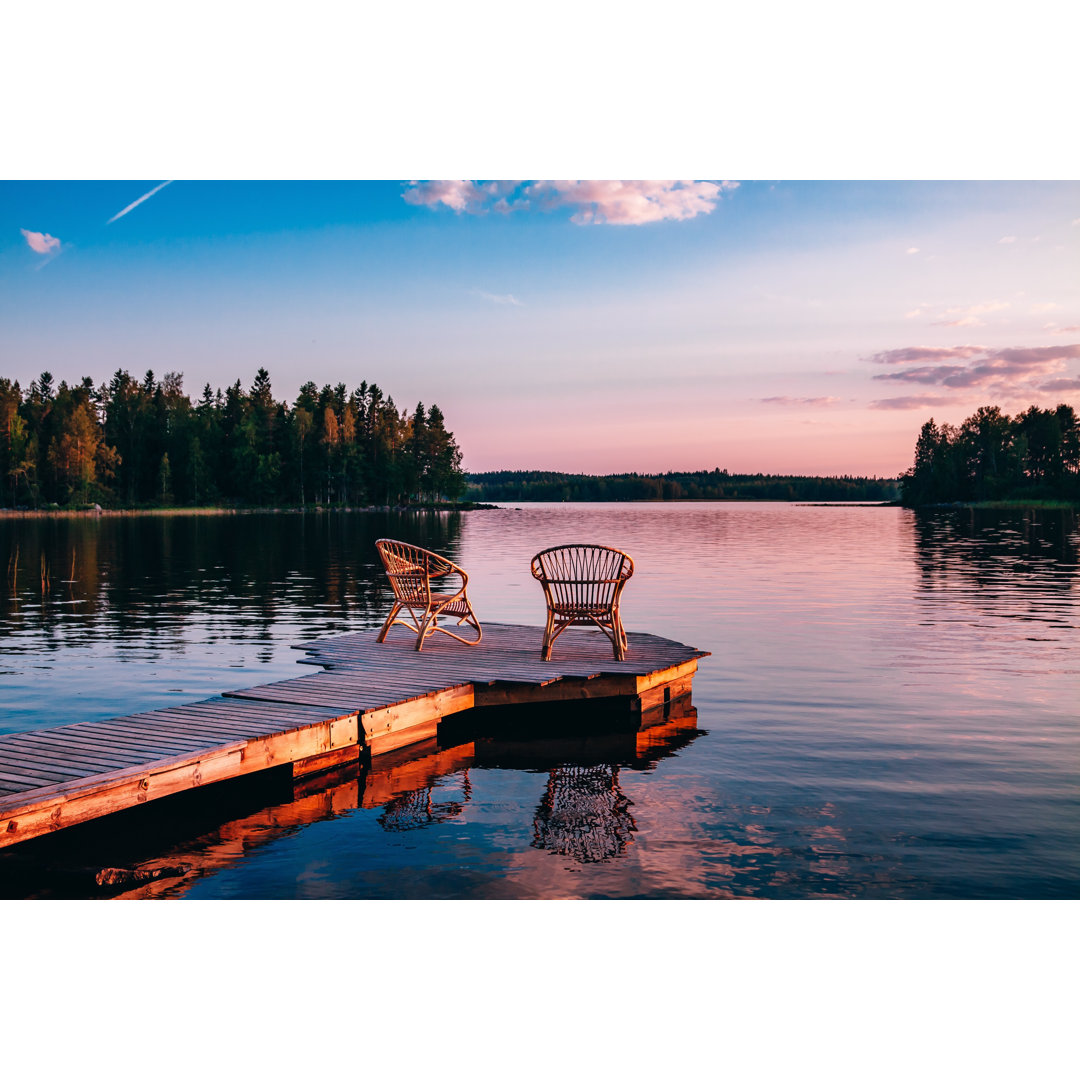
x,y
774,326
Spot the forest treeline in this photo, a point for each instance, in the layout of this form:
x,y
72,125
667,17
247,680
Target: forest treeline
x,y
525,486
991,456
142,443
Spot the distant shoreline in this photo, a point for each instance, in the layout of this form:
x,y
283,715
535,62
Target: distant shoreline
x,y
240,511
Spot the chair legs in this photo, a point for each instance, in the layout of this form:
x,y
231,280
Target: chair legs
x,y
611,627
549,637
425,624
431,624
390,619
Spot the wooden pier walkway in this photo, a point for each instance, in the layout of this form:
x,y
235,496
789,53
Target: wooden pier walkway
x,y
370,698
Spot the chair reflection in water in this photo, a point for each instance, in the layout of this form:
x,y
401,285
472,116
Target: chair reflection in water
x,y
417,809
584,814
582,585
411,571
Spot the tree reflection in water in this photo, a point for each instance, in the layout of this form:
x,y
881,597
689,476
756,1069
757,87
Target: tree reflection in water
x,y
584,814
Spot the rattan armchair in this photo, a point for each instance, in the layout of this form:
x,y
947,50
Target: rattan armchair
x,y
411,571
582,585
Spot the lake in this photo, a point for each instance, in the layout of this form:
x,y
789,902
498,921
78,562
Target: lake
x,y
890,709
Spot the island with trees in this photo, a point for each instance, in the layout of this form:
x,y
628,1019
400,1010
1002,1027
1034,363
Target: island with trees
x,y
991,457
134,443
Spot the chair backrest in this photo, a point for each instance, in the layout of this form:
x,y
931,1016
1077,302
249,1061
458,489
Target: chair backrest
x,y
577,575
407,567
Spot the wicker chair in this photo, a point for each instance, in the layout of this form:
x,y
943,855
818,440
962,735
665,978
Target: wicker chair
x,y
411,571
582,584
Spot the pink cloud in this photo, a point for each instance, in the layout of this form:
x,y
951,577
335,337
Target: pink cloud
x,y
632,202
979,309
966,316
1000,370
916,353
816,401
920,401
1061,384
457,194
595,202
42,243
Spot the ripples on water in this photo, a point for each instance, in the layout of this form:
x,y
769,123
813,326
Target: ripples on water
x,y
890,709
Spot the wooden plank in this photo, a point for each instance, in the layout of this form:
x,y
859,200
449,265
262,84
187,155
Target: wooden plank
x,y
71,803
343,755
394,740
78,788
29,761
602,686
378,723
43,774
656,678
60,744
17,782
89,750
126,741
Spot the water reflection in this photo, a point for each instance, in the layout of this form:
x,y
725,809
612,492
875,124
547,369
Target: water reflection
x,y
148,574
418,809
891,703
584,814
1030,550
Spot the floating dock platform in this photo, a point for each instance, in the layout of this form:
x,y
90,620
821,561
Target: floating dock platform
x,y
370,699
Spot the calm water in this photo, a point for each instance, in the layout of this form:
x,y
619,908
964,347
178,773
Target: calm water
x,y
890,708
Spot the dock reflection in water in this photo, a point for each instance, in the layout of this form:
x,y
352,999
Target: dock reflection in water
x,y
581,814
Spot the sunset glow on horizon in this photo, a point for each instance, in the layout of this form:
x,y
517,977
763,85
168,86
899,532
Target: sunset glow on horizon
x,y
580,326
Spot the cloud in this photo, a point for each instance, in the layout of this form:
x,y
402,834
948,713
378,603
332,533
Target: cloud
x,y
1003,371
979,309
1038,309
594,202
1061,384
920,401
967,316
1076,221
42,243
499,298
914,314
1063,329
912,251
1007,240
141,199
815,401
914,354
457,194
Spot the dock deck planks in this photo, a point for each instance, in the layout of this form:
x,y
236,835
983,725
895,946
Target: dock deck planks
x,y
372,696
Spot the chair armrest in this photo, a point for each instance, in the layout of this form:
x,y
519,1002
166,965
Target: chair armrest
x,y
440,568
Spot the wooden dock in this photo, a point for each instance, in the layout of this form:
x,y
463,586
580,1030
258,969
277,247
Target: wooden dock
x,y
369,699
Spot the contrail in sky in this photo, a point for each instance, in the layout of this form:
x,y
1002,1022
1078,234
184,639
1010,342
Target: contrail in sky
x,y
141,199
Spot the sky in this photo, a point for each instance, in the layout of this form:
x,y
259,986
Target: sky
x,y
583,326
